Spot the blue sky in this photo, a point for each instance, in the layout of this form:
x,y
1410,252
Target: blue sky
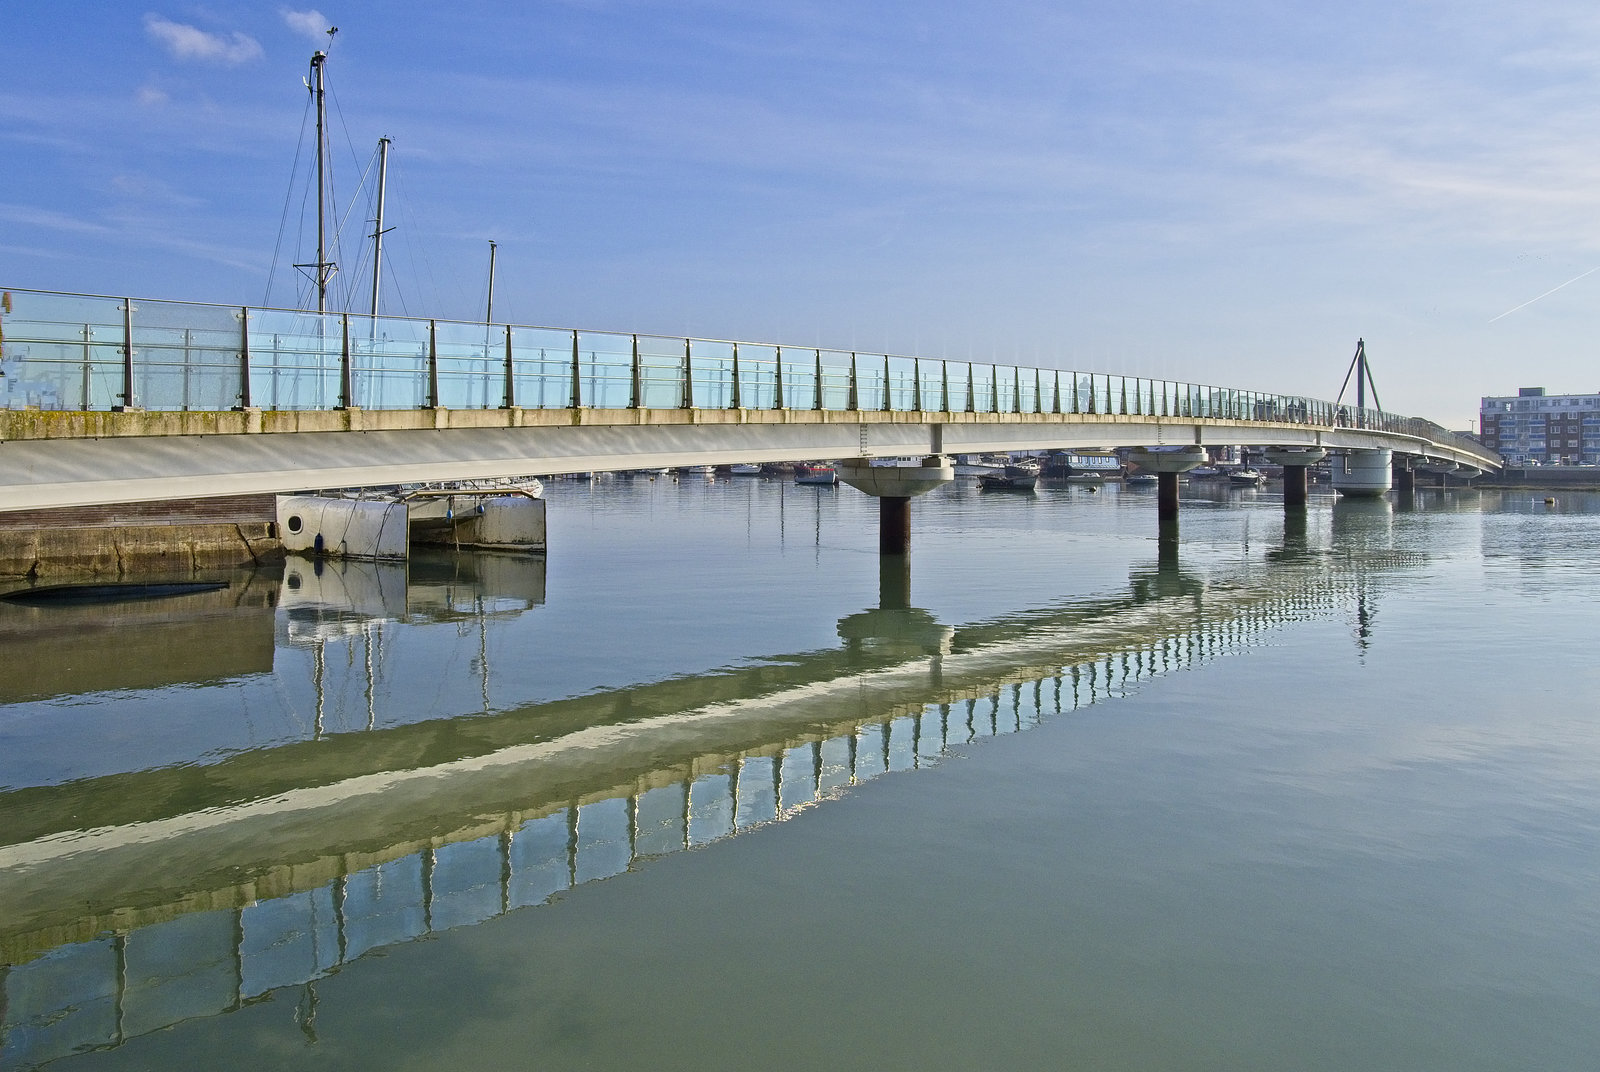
x,y
1229,192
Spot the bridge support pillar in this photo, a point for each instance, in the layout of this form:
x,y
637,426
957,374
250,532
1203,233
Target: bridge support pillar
x,y
1362,473
1167,499
894,524
1405,478
1295,462
894,486
1294,485
1166,463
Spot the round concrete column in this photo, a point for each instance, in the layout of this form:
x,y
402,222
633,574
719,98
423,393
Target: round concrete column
x,y
1362,473
895,486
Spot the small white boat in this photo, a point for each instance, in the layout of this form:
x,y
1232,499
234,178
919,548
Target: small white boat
x,y
1139,479
745,469
815,474
698,470
1015,477
1204,472
1246,477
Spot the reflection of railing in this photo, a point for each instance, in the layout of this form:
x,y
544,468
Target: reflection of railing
x,y
81,352
99,993
553,818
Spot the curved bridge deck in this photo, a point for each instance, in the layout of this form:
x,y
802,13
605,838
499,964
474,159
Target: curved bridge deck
x,y
114,399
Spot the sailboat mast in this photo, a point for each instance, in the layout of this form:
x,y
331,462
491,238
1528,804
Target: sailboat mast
x,y
377,230
324,268
488,312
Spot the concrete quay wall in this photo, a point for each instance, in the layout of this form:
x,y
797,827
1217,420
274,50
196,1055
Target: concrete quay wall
x,y
154,538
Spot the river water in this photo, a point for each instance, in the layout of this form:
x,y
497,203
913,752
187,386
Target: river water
x,y
709,786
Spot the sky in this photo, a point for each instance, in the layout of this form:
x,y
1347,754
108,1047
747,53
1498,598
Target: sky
x,y
1230,192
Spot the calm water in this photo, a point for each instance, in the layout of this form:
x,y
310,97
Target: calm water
x,y
708,788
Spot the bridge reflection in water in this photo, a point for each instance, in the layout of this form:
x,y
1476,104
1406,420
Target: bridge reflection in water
x,y
137,900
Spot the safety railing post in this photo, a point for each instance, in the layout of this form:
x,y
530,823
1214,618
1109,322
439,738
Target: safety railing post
x,y
346,380
509,395
127,359
576,395
688,378
244,357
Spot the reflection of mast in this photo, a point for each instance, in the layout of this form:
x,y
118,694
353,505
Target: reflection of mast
x,y
1365,616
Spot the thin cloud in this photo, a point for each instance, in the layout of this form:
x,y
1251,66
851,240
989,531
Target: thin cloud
x,y
312,24
192,43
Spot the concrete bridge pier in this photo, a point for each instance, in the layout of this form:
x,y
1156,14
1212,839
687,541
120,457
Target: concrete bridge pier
x,y
895,486
894,524
1167,463
1295,462
1405,477
1362,473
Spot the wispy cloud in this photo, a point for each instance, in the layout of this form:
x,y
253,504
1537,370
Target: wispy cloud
x,y
312,24
187,42
47,220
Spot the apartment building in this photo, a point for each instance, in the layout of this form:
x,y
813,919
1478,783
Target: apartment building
x,y
1536,428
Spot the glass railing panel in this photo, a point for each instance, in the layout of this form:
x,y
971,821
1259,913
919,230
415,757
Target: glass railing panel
x,y
541,368
661,372
472,365
1028,390
835,378
902,384
388,362
871,382
605,368
758,376
960,385
983,389
1048,380
711,364
1005,389
187,357
295,359
799,378
62,351
930,375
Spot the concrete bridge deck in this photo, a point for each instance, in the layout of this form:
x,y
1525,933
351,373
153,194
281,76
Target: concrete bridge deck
x,y
116,400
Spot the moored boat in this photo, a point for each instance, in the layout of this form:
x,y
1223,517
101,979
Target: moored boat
x,y
1246,477
815,474
1018,476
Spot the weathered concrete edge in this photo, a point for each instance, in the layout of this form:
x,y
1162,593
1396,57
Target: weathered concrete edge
x,y
122,550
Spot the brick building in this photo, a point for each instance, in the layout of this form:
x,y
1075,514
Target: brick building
x,y
1535,428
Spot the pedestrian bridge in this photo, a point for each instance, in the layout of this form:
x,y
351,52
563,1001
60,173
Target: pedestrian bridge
x,y
112,399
